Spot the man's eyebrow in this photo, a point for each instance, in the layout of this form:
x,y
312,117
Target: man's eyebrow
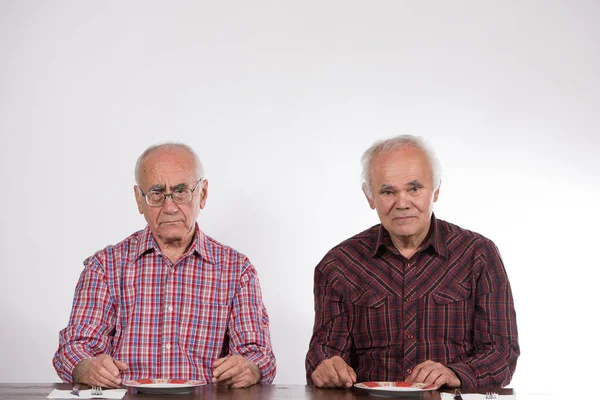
x,y
161,187
415,183
385,187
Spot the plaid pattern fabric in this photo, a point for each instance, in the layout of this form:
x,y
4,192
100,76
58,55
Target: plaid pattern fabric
x,y
384,314
167,320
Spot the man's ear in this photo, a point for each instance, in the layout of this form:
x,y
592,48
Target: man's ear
x,y
138,198
369,199
203,193
437,193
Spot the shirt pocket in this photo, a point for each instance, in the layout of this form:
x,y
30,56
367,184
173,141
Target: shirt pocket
x,y
454,293
368,314
451,313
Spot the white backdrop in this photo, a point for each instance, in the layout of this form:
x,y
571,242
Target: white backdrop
x,y
280,99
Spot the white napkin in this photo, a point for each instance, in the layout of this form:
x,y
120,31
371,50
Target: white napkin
x,y
477,396
87,394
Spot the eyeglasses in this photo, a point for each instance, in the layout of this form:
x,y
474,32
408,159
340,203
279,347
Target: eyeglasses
x,y
157,198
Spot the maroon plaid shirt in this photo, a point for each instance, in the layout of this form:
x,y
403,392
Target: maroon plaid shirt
x,y
383,314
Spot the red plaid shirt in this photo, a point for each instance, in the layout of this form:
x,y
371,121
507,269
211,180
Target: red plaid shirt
x,y
383,314
167,320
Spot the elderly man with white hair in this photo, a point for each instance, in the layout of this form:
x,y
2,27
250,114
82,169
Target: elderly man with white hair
x,y
414,298
168,301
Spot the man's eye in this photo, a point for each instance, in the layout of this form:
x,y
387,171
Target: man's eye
x,y
183,195
387,192
156,196
414,189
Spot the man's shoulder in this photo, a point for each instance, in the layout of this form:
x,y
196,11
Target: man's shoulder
x,y
219,250
470,251
130,245
364,240
359,245
349,263
457,235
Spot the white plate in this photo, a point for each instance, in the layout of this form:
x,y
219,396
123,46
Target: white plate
x,y
395,389
163,386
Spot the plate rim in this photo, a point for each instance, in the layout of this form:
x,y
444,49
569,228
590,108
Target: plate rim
x,y
167,382
389,388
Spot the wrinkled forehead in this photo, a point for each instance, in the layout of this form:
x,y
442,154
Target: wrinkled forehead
x,y
403,163
168,168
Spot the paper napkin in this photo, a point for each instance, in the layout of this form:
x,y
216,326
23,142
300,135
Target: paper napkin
x,y
87,394
477,396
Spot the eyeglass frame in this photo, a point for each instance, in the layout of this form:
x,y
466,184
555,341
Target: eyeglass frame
x,y
167,195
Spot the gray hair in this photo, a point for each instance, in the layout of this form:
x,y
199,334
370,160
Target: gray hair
x,y
386,145
168,146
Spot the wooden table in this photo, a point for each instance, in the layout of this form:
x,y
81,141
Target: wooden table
x,y
33,391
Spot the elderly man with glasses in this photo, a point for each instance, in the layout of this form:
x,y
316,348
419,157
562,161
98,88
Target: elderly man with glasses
x,y
168,301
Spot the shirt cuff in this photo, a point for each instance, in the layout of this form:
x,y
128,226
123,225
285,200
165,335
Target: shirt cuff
x,y
466,375
266,365
66,363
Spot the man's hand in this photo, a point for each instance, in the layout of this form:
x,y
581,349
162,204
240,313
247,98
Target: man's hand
x,y
102,371
235,371
434,373
333,373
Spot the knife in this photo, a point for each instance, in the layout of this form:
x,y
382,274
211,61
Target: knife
x,y
75,391
457,395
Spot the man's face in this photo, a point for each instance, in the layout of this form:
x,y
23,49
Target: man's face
x,y
166,171
403,193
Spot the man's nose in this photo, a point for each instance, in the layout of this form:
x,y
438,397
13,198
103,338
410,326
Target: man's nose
x,y
402,201
169,205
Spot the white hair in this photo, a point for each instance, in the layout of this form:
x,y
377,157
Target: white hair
x,y
386,145
167,146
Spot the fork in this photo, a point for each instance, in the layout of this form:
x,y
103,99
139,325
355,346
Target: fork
x,y
97,391
491,395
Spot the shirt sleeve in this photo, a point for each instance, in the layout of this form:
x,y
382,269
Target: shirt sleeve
x,y
91,323
249,326
330,332
494,326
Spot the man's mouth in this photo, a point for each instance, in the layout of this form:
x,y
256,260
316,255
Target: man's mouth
x,y
404,218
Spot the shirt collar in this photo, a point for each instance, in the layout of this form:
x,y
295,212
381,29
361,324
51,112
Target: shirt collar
x,y
434,239
199,245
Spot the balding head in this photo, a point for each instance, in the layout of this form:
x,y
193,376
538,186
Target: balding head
x,y
383,146
169,147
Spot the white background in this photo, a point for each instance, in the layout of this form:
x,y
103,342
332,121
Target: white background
x,y
280,99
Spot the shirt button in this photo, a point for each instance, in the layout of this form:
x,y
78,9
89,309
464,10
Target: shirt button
x,y
410,336
170,308
167,346
409,371
408,299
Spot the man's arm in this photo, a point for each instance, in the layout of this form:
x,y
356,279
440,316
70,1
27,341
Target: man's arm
x,y
251,357
328,357
91,322
102,371
495,326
